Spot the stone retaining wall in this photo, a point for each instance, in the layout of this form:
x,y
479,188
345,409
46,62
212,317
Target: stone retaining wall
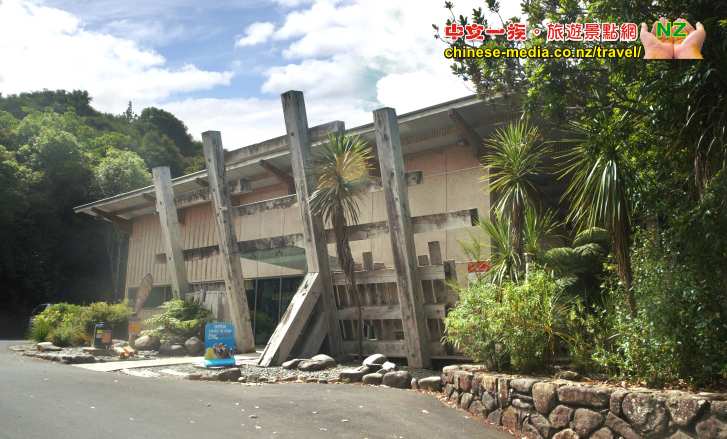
x,y
543,409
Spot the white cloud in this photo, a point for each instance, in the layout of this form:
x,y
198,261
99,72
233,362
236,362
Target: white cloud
x,y
47,48
349,58
374,52
256,33
244,121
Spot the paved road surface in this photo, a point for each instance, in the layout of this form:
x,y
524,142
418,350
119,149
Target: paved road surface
x,y
40,399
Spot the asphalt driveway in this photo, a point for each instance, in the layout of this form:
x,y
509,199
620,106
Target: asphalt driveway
x,y
40,399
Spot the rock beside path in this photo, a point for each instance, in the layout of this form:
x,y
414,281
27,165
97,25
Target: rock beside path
x,y
432,384
354,374
318,362
400,379
375,360
46,346
372,379
147,343
194,346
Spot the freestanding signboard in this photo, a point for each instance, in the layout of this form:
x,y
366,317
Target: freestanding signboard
x,y
219,344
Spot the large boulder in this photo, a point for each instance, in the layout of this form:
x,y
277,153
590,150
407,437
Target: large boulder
x,y
463,380
374,360
646,412
46,346
387,367
194,346
511,418
495,417
291,364
400,379
684,409
715,425
587,396
585,421
354,374
544,397
523,385
616,399
560,416
432,384
318,362
147,343
621,427
465,400
541,424
372,379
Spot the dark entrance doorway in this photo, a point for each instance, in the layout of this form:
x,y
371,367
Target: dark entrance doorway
x,y
268,299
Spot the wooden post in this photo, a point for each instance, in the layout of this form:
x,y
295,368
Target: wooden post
x,y
314,236
411,296
170,230
235,287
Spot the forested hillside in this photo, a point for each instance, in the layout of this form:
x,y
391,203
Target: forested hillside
x,y
57,152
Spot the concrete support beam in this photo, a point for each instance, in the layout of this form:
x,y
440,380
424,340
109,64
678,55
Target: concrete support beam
x,y
171,235
281,175
409,286
234,282
123,224
314,236
475,141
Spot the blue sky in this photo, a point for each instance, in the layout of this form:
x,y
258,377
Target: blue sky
x,y
222,64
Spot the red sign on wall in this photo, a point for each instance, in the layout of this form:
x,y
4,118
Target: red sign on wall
x,y
478,267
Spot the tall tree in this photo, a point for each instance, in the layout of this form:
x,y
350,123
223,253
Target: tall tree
x,y
342,167
599,185
515,159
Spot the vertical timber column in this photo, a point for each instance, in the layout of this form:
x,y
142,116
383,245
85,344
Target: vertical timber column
x,y
314,236
391,160
170,231
234,283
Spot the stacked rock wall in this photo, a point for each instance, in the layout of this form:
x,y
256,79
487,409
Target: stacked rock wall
x,y
539,408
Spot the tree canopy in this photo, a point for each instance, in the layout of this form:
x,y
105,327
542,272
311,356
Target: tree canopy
x,y
58,152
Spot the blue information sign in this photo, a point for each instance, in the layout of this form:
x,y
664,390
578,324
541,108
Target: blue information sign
x,y
219,344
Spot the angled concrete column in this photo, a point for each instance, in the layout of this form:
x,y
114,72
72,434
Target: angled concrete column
x,y
171,235
316,249
391,161
214,156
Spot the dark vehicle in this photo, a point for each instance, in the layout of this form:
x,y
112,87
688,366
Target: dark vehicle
x,y
37,310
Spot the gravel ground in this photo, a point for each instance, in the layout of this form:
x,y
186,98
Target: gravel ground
x,y
275,374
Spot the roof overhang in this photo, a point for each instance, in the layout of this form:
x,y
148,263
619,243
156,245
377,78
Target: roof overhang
x,y
420,130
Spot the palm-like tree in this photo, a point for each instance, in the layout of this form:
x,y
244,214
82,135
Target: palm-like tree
x,y
515,158
503,258
599,185
342,167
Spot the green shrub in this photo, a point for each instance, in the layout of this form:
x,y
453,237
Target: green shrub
x,y
39,330
66,324
180,320
68,334
116,315
58,313
516,325
680,330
